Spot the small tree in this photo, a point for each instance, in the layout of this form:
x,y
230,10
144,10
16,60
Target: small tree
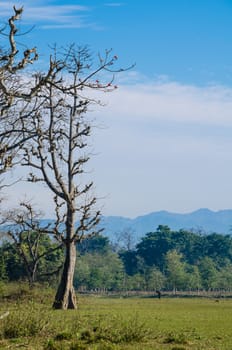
x,y
156,280
125,240
31,241
209,273
175,268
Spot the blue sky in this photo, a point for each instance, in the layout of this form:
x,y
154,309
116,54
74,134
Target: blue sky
x,y
166,143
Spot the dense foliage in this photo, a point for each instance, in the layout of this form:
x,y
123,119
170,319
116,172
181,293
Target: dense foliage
x,y
163,259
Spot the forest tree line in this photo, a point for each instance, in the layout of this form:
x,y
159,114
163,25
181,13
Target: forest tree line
x,y
161,260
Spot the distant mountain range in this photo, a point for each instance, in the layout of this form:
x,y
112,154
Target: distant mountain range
x,y
203,219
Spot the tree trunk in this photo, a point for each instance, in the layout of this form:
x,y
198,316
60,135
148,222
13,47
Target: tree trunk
x,y
65,296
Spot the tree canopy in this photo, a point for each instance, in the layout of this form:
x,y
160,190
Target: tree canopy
x,y
101,268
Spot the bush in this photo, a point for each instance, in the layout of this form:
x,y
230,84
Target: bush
x,y
23,323
65,335
116,330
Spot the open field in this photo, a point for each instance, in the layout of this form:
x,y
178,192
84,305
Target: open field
x,y
104,323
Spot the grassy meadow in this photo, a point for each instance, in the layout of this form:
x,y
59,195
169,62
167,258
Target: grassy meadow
x,y
105,323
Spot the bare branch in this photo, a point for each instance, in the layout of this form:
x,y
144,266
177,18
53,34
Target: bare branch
x,y
45,125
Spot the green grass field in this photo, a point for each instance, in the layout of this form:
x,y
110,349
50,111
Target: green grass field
x,y
104,323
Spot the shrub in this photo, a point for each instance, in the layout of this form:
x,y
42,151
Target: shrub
x,y
115,330
176,338
23,323
65,335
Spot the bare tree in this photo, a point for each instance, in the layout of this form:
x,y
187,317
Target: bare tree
x,y
58,153
17,93
125,239
45,117
24,228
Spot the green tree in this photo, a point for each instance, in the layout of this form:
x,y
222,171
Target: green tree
x,y
155,279
190,244
219,247
136,282
209,273
15,268
154,247
175,270
224,277
96,244
99,271
82,276
130,261
193,278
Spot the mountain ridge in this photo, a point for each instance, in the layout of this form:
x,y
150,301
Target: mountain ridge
x,y
202,219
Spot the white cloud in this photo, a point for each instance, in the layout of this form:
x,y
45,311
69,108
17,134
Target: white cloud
x,y
171,101
114,4
55,13
51,16
165,145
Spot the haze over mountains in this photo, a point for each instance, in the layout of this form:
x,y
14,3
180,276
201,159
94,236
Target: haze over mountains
x,y
203,219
